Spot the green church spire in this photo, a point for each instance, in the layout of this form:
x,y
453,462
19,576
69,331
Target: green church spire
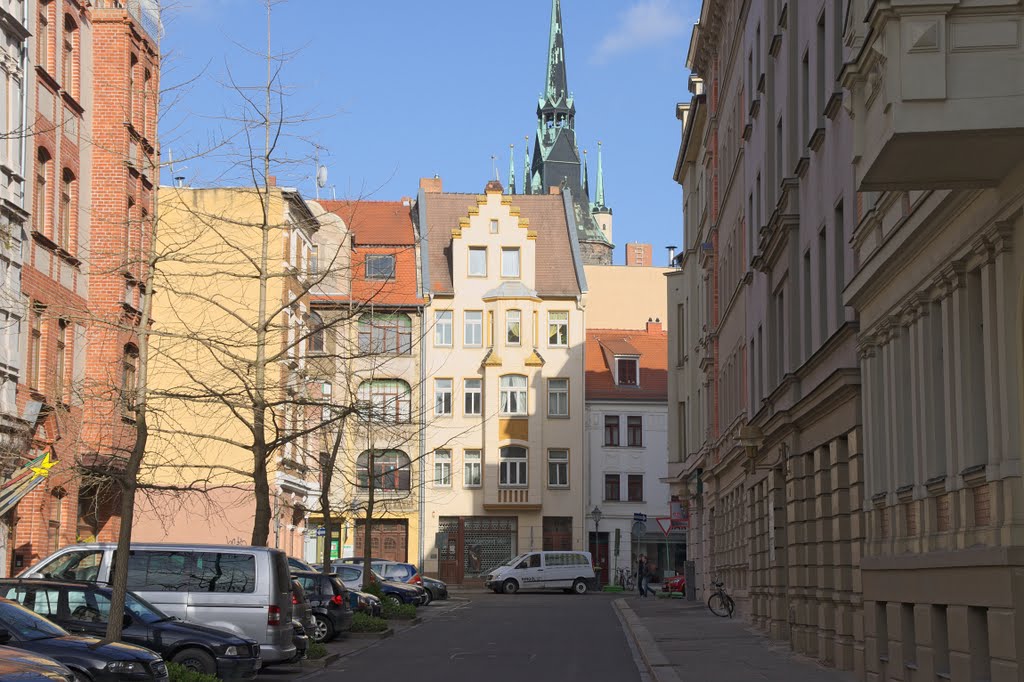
x,y
511,169
599,199
556,85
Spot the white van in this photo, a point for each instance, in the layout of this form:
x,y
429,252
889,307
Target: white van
x,y
566,571
245,590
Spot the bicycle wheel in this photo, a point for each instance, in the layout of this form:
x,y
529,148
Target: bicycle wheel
x,y
731,604
719,604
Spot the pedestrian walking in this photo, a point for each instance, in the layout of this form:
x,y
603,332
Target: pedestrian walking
x,y
641,574
651,568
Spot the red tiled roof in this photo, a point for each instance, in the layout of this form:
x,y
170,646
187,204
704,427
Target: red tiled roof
x,y
556,274
375,222
653,350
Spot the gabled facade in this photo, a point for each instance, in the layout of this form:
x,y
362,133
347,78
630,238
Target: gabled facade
x,y
625,444
371,352
504,367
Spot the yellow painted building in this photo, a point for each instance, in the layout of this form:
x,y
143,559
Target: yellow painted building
x,y
203,360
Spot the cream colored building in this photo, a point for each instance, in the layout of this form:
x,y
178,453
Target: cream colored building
x,y
202,360
614,291
937,99
504,358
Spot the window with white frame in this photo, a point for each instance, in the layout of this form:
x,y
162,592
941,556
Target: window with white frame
x,y
512,396
513,327
558,468
443,328
494,226
626,372
558,328
473,469
512,466
443,468
473,396
477,261
385,400
558,397
442,396
510,263
473,333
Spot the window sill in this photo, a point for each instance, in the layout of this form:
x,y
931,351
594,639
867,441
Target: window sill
x,y
472,487
558,416
514,416
558,487
525,486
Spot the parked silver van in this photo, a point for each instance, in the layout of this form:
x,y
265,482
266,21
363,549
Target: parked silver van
x,y
246,590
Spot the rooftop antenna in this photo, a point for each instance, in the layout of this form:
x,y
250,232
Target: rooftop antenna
x,y
334,193
179,180
321,174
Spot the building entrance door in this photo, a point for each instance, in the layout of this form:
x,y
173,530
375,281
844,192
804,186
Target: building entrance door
x,y
390,539
599,551
473,546
557,533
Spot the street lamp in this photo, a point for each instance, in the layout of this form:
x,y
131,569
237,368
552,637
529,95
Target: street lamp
x,y
596,514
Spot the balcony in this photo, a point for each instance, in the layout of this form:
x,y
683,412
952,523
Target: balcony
x,y
937,93
511,498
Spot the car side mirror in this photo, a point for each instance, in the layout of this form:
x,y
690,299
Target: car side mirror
x,y
5,636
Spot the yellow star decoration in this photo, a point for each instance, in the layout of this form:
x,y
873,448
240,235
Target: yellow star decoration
x,y
44,467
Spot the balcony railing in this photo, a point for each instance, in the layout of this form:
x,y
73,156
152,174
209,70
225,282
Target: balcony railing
x,y
145,12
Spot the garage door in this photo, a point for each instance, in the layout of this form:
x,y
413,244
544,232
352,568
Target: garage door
x,y
390,539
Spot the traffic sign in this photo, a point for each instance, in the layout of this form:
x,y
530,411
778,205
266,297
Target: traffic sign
x,y
321,532
638,517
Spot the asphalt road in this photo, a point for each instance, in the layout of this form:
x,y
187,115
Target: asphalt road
x,y
494,638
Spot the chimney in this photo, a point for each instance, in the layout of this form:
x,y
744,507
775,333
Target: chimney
x,y
407,201
639,255
179,180
431,185
671,256
654,326
494,187
272,180
554,190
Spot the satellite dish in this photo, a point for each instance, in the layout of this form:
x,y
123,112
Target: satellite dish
x,y
321,176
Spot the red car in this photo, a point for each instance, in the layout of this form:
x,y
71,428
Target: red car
x,y
676,584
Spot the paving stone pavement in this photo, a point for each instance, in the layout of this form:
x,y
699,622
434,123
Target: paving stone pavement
x,y
683,641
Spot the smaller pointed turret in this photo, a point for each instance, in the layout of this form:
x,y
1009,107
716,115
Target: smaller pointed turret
x,y
586,177
602,214
511,169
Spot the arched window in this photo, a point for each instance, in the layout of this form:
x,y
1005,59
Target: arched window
x,y
391,470
316,333
43,35
385,333
57,496
513,395
386,400
512,466
68,77
128,381
67,182
39,202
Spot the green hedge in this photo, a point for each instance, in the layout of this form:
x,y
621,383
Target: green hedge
x,y
394,611
316,650
179,673
362,622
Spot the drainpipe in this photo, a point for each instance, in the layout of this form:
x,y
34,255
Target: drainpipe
x,y
422,503
24,110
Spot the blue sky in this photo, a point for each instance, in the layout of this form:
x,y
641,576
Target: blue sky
x,y
395,90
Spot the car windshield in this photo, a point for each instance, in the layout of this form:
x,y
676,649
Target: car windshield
x,y
25,625
514,560
143,610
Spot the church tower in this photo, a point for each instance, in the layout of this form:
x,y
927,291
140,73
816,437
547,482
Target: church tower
x,y
556,157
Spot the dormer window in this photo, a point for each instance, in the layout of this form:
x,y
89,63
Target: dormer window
x,y
380,266
626,373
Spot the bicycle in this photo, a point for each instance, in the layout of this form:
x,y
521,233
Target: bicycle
x,y
626,579
720,603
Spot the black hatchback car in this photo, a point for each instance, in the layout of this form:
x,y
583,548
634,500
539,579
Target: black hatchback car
x,y
330,601
85,608
90,659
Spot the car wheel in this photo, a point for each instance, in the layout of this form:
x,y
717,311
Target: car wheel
x,y
80,676
323,629
430,598
510,586
196,660
580,586
394,599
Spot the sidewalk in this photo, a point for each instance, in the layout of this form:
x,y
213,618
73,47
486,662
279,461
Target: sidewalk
x,y
683,641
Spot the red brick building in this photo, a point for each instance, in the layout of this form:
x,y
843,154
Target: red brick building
x,y
92,169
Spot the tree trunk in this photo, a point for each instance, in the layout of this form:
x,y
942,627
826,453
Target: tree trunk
x,y
371,478
326,479
261,489
128,484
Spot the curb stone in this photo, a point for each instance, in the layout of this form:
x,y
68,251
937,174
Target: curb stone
x,y
371,635
658,666
318,663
